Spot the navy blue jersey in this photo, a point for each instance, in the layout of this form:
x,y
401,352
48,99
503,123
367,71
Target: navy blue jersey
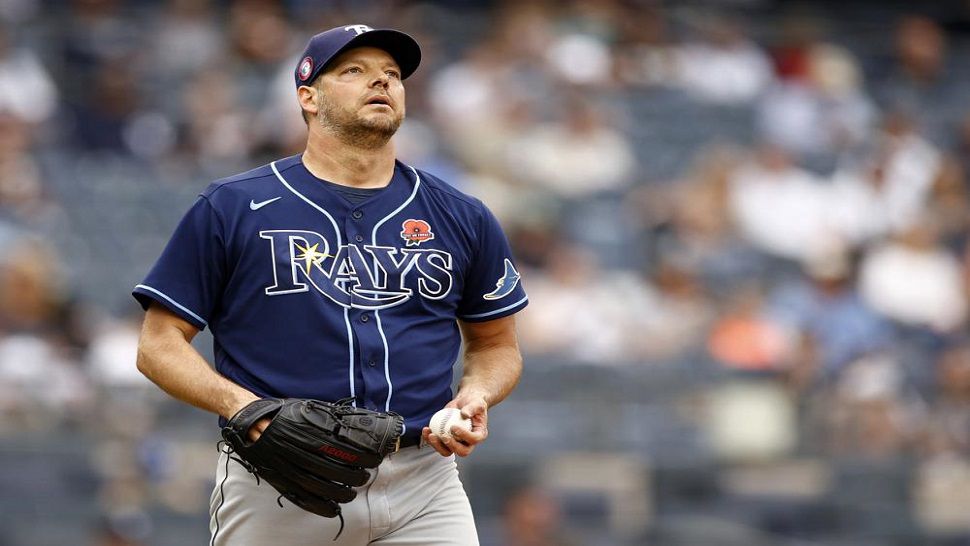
x,y
308,295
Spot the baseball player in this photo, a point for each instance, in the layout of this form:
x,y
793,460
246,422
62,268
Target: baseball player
x,y
341,273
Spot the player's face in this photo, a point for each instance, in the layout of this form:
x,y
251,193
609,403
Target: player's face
x,y
362,97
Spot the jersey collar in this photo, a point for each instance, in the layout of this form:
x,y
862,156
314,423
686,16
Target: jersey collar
x,y
381,207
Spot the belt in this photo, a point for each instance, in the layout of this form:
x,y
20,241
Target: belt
x,y
410,440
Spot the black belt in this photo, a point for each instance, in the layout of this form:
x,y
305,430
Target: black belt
x,y
410,439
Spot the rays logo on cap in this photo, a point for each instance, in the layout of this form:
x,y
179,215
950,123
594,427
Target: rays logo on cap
x,y
306,68
359,29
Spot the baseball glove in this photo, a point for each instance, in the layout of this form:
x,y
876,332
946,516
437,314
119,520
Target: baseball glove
x,y
313,452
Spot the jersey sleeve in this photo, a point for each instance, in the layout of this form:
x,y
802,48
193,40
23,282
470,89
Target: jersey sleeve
x,y
188,276
493,287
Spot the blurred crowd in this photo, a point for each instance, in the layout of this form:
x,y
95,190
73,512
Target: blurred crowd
x,y
773,194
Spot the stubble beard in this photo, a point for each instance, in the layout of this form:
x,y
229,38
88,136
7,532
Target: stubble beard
x,y
354,130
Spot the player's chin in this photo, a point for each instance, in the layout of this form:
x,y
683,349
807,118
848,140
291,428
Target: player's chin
x,y
388,120
384,127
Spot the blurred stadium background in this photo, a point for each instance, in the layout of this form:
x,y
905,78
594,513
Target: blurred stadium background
x,y
743,225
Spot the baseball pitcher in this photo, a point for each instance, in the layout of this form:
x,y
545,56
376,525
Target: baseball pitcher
x,y
339,285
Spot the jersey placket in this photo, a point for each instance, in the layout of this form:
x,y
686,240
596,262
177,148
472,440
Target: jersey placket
x,y
366,326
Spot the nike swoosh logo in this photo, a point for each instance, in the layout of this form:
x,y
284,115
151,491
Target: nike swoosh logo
x,y
253,205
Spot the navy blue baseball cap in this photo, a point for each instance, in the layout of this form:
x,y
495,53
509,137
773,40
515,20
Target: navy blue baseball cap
x,y
322,48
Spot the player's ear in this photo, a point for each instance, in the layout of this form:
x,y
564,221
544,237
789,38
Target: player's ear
x,y
307,95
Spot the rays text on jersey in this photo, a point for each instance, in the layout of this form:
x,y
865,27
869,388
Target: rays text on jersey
x,y
362,277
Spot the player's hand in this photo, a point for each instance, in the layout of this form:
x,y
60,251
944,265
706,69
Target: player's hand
x,y
257,429
463,442
259,426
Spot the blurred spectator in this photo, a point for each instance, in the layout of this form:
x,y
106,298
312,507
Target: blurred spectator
x,y
580,59
535,240
41,389
579,310
574,158
26,89
24,198
98,33
947,431
920,50
921,81
522,33
867,416
889,189
113,348
644,56
530,517
580,54
484,90
914,280
779,207
260,39
186,39
743,337
279,128
41,384
724,66
820,109
689,224
872,412
948,202
104,114
31,287
826,307
217,128
670,314
469,90
258,32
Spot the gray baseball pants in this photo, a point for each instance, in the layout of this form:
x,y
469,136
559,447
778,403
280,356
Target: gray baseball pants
x,y
414,498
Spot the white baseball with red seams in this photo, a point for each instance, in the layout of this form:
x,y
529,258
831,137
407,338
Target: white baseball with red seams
x,y
443,420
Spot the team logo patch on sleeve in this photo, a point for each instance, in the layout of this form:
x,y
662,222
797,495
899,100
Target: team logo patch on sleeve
x,y
416,232
505,285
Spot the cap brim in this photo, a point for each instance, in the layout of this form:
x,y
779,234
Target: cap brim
x,y
399,45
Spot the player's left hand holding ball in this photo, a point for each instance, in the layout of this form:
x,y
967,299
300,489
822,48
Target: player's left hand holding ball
x,y
457,439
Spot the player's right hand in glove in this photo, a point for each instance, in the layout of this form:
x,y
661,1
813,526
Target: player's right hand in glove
x,y
313,452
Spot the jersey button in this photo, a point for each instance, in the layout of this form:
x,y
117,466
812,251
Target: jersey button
x,y
364,318
358,238
358,214
372,363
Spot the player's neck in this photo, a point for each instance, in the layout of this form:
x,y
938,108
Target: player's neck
x,y
336,162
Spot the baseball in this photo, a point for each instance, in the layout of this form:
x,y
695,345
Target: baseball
x,y
443,420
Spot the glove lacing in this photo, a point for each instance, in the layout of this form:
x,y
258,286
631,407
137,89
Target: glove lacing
x,y
224,447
